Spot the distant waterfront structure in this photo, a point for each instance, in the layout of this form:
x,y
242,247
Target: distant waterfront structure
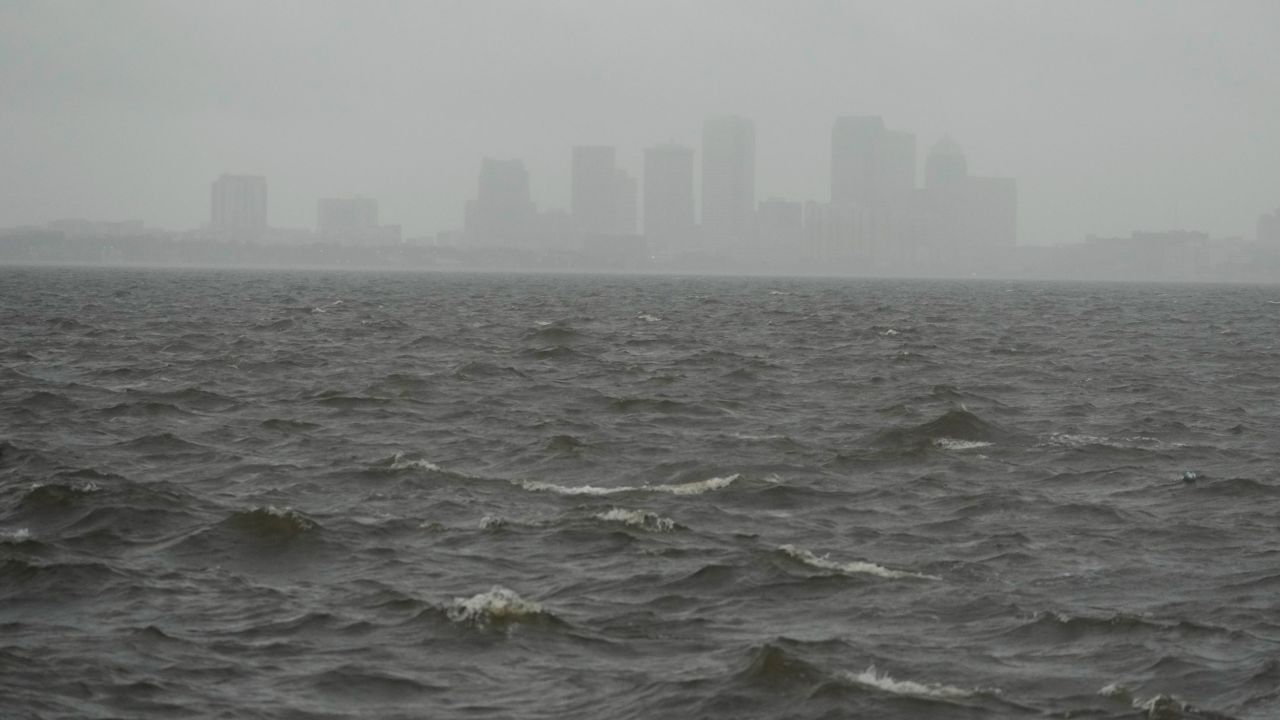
x,y
873,177
602,196
1269,228
353,221
871,166
669,219
238,206
626,195
338,215
964,221
502,213
946,165
593,190
779,226
728,180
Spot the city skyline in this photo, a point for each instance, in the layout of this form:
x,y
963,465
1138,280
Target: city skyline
x,y
114,113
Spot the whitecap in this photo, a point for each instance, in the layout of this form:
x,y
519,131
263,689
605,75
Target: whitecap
x,y
857,566
288,513
489,522
1116,690
15,536
497,605
400,462
947,443
890,332
641,519
690,488
882,681
648,318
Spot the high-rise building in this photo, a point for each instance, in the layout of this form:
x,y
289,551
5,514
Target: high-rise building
x,y
780,225
873,177
1269,228
345,215
625,198
353,221
871,166
668,198
594,190
965,222
502,214
238,205
728,180
946,164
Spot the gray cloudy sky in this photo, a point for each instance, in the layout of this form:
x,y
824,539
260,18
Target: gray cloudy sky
x,y
1113,115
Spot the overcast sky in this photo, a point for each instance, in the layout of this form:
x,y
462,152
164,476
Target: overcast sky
x,y
1113,115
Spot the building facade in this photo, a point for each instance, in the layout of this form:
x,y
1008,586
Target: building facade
x,y
728,181
238,206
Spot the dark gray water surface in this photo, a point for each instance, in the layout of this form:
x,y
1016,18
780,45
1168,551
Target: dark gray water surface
x,y
293,495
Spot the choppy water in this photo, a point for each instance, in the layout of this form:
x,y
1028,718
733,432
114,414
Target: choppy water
x,y
356,495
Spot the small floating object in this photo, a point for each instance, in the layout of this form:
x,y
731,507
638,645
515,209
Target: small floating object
x,y
1190,476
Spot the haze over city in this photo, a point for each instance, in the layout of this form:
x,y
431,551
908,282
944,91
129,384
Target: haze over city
x,y
1112,117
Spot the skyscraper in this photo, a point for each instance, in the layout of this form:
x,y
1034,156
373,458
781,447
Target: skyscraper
x,y
335,216
238,205
625,198
873,175
871,166
965,219
946,164
728,179
594,190
668,198
503,212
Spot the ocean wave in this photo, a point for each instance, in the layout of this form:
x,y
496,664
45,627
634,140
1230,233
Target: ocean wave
x,y
274,522
947,443
641,519
883,681
20,535
952,426
690,488
497,606
857,566
1159,706
400,461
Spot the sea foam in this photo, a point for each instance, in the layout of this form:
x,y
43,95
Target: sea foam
x,y
947,443
498,605
400,462
882,681
641,519
15,536
857,566
690,488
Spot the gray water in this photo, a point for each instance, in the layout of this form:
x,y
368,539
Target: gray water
x,y
307,495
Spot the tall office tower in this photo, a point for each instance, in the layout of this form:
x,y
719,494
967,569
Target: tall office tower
x,y
335,216
239,205
966,217
871,166
503,213
625,198
668,198
728,180
594,190
1269,228
353,221
780,224
946,164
